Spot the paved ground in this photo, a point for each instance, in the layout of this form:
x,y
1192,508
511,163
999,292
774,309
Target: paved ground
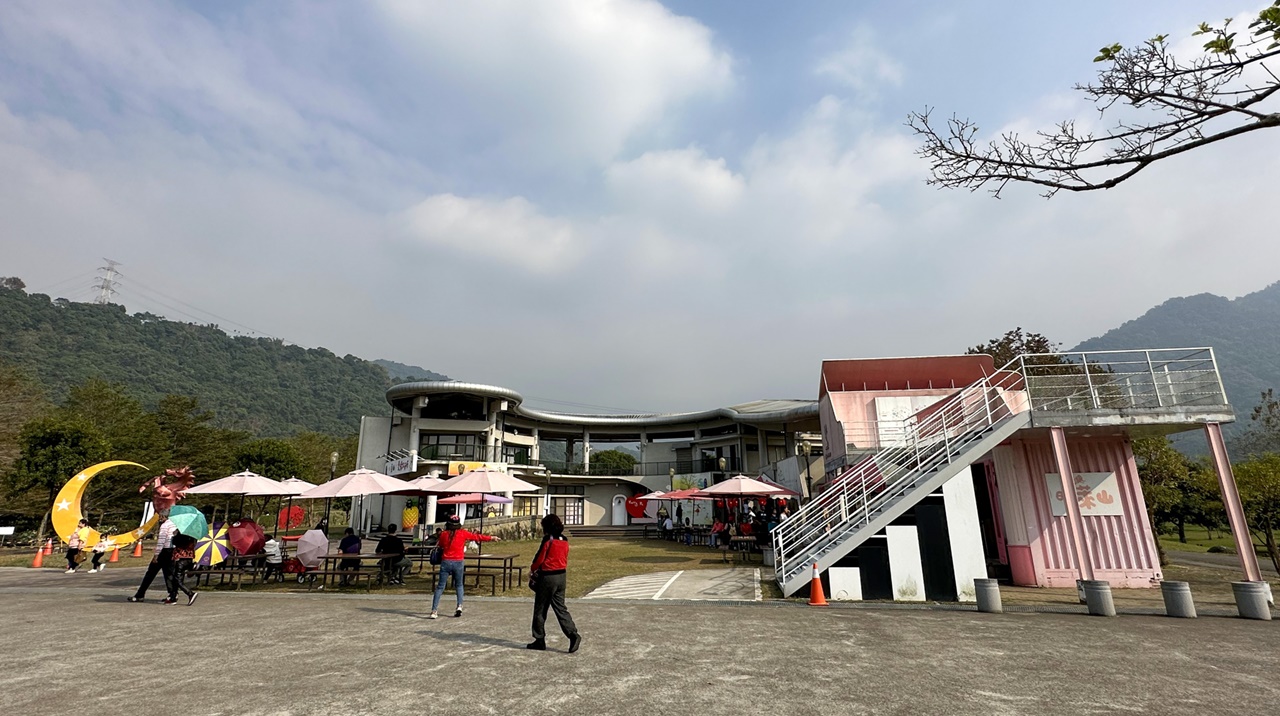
x,y
1225,561
741,583
69,645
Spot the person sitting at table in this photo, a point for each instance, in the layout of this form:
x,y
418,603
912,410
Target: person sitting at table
x,y
396,566
275,559
688,532
350,544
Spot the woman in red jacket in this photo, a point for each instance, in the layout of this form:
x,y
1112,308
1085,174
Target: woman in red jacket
x,y
453,542
547,578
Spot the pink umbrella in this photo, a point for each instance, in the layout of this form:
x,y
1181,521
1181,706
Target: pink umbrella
x,y
475,498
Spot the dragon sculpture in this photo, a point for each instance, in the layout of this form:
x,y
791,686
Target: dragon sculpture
x,y
164,495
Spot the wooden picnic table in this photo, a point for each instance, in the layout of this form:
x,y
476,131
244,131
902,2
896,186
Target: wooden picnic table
x,y
339,556
507,565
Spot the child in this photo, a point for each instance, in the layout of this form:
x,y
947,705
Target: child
x,y
275,559
99,550
184,552
75,545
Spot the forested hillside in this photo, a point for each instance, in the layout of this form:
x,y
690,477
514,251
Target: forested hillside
x,y
401,373
1244,333
260,385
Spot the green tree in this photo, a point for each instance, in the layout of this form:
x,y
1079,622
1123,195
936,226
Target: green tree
x,y
192,439
21,400
315,450
52,451
1013,344
269,457
1168,105
1258,480
1263,433
612,462
134,433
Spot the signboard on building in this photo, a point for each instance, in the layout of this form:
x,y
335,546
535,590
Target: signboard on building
x,y
457,468
1098,493
401,465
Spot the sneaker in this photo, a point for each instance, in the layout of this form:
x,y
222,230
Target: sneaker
x,y
459,612
135,599
167,600
93,571
537,645
575,641
433,615
192,599
70,571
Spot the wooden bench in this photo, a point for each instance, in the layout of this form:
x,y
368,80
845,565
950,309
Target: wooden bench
x,y
474,574
323,574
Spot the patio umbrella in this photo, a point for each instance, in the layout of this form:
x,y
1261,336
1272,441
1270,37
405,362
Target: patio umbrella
x,y
313,545
291,517
421,486
246,537
475,498
241,483
741,486
212,548
489,482
190,521
355,484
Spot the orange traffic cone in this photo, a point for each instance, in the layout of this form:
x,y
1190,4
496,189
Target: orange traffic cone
x,y
48,546
816,597
115,555
137,548
38,562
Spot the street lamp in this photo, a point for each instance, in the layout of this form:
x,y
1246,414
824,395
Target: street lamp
x,y
333,468
805,447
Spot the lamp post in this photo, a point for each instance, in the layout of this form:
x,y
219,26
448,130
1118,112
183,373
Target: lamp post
x,y
333,468
805,447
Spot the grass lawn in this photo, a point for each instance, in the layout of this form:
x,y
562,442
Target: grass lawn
x,y
1198,540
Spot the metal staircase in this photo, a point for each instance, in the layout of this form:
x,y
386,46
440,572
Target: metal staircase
x,y
938,443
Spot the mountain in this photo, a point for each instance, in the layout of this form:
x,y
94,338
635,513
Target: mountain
x,y
1244,333
401,373
262,385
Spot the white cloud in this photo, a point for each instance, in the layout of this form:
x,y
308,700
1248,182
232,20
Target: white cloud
x,y
562,79
510,231
681,179
861,65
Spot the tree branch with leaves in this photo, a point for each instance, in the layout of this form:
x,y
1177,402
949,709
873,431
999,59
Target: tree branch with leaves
x,y
1166,106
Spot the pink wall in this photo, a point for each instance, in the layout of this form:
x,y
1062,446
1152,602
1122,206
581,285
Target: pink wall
x,y
1122,547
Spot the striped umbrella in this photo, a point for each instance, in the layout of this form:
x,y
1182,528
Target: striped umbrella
x,y
213,548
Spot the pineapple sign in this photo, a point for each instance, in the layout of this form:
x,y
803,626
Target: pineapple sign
x,y
409,517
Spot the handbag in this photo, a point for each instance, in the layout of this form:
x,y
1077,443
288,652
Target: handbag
x,y
533,581
437,553
80,557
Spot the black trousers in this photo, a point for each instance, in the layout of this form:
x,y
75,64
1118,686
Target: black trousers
x,y
97,559
176,578
71,557
549,592
162,563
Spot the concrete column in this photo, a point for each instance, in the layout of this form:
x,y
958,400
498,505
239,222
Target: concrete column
x,y
1231,503
762,448
586,451
429,516
788,442
509,508
536,453
1075,521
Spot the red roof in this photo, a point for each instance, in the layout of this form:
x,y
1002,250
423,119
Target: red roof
x,y
904,373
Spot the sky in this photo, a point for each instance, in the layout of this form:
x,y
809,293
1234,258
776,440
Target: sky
x,y
616,203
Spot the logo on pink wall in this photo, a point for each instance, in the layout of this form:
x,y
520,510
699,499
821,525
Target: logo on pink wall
x,y
1097,493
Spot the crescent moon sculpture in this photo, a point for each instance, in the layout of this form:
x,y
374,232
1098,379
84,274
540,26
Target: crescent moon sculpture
x,y
66,508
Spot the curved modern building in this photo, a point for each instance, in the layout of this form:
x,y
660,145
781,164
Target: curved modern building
x,y
443,427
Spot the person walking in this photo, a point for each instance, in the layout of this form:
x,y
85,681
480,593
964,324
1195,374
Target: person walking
x,y
453,543
75,545
99,551
184,552
547,578
161,561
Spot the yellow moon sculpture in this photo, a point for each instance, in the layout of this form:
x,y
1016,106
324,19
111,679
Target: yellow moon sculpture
x,y
66,508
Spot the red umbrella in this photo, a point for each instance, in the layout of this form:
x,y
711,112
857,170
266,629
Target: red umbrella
x,y
246,537
290,518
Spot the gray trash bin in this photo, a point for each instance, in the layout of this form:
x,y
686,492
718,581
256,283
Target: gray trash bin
x,y
987,592
1251,600
1097,595
1177,599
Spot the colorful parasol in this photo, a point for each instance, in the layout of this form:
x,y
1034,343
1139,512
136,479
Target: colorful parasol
x,y
212,548
190,521
246,537
290,518
313,545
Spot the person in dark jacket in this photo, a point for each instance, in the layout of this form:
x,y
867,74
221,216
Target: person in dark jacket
x,y
547,578
350,544
396,566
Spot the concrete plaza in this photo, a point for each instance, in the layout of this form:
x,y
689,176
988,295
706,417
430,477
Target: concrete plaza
x,y
72,645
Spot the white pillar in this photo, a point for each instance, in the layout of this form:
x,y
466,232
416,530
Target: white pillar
x,y
964,533
906,573
586,452
509,508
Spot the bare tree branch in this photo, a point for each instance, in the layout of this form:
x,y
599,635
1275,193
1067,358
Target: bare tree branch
x,y
1167,106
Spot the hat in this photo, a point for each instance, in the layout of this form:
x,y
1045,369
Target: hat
x,y
453,519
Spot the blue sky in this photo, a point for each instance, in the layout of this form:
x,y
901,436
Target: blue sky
x,y
615,202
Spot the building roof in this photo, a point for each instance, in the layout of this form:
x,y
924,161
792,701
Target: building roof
x,y
755,412
904,373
